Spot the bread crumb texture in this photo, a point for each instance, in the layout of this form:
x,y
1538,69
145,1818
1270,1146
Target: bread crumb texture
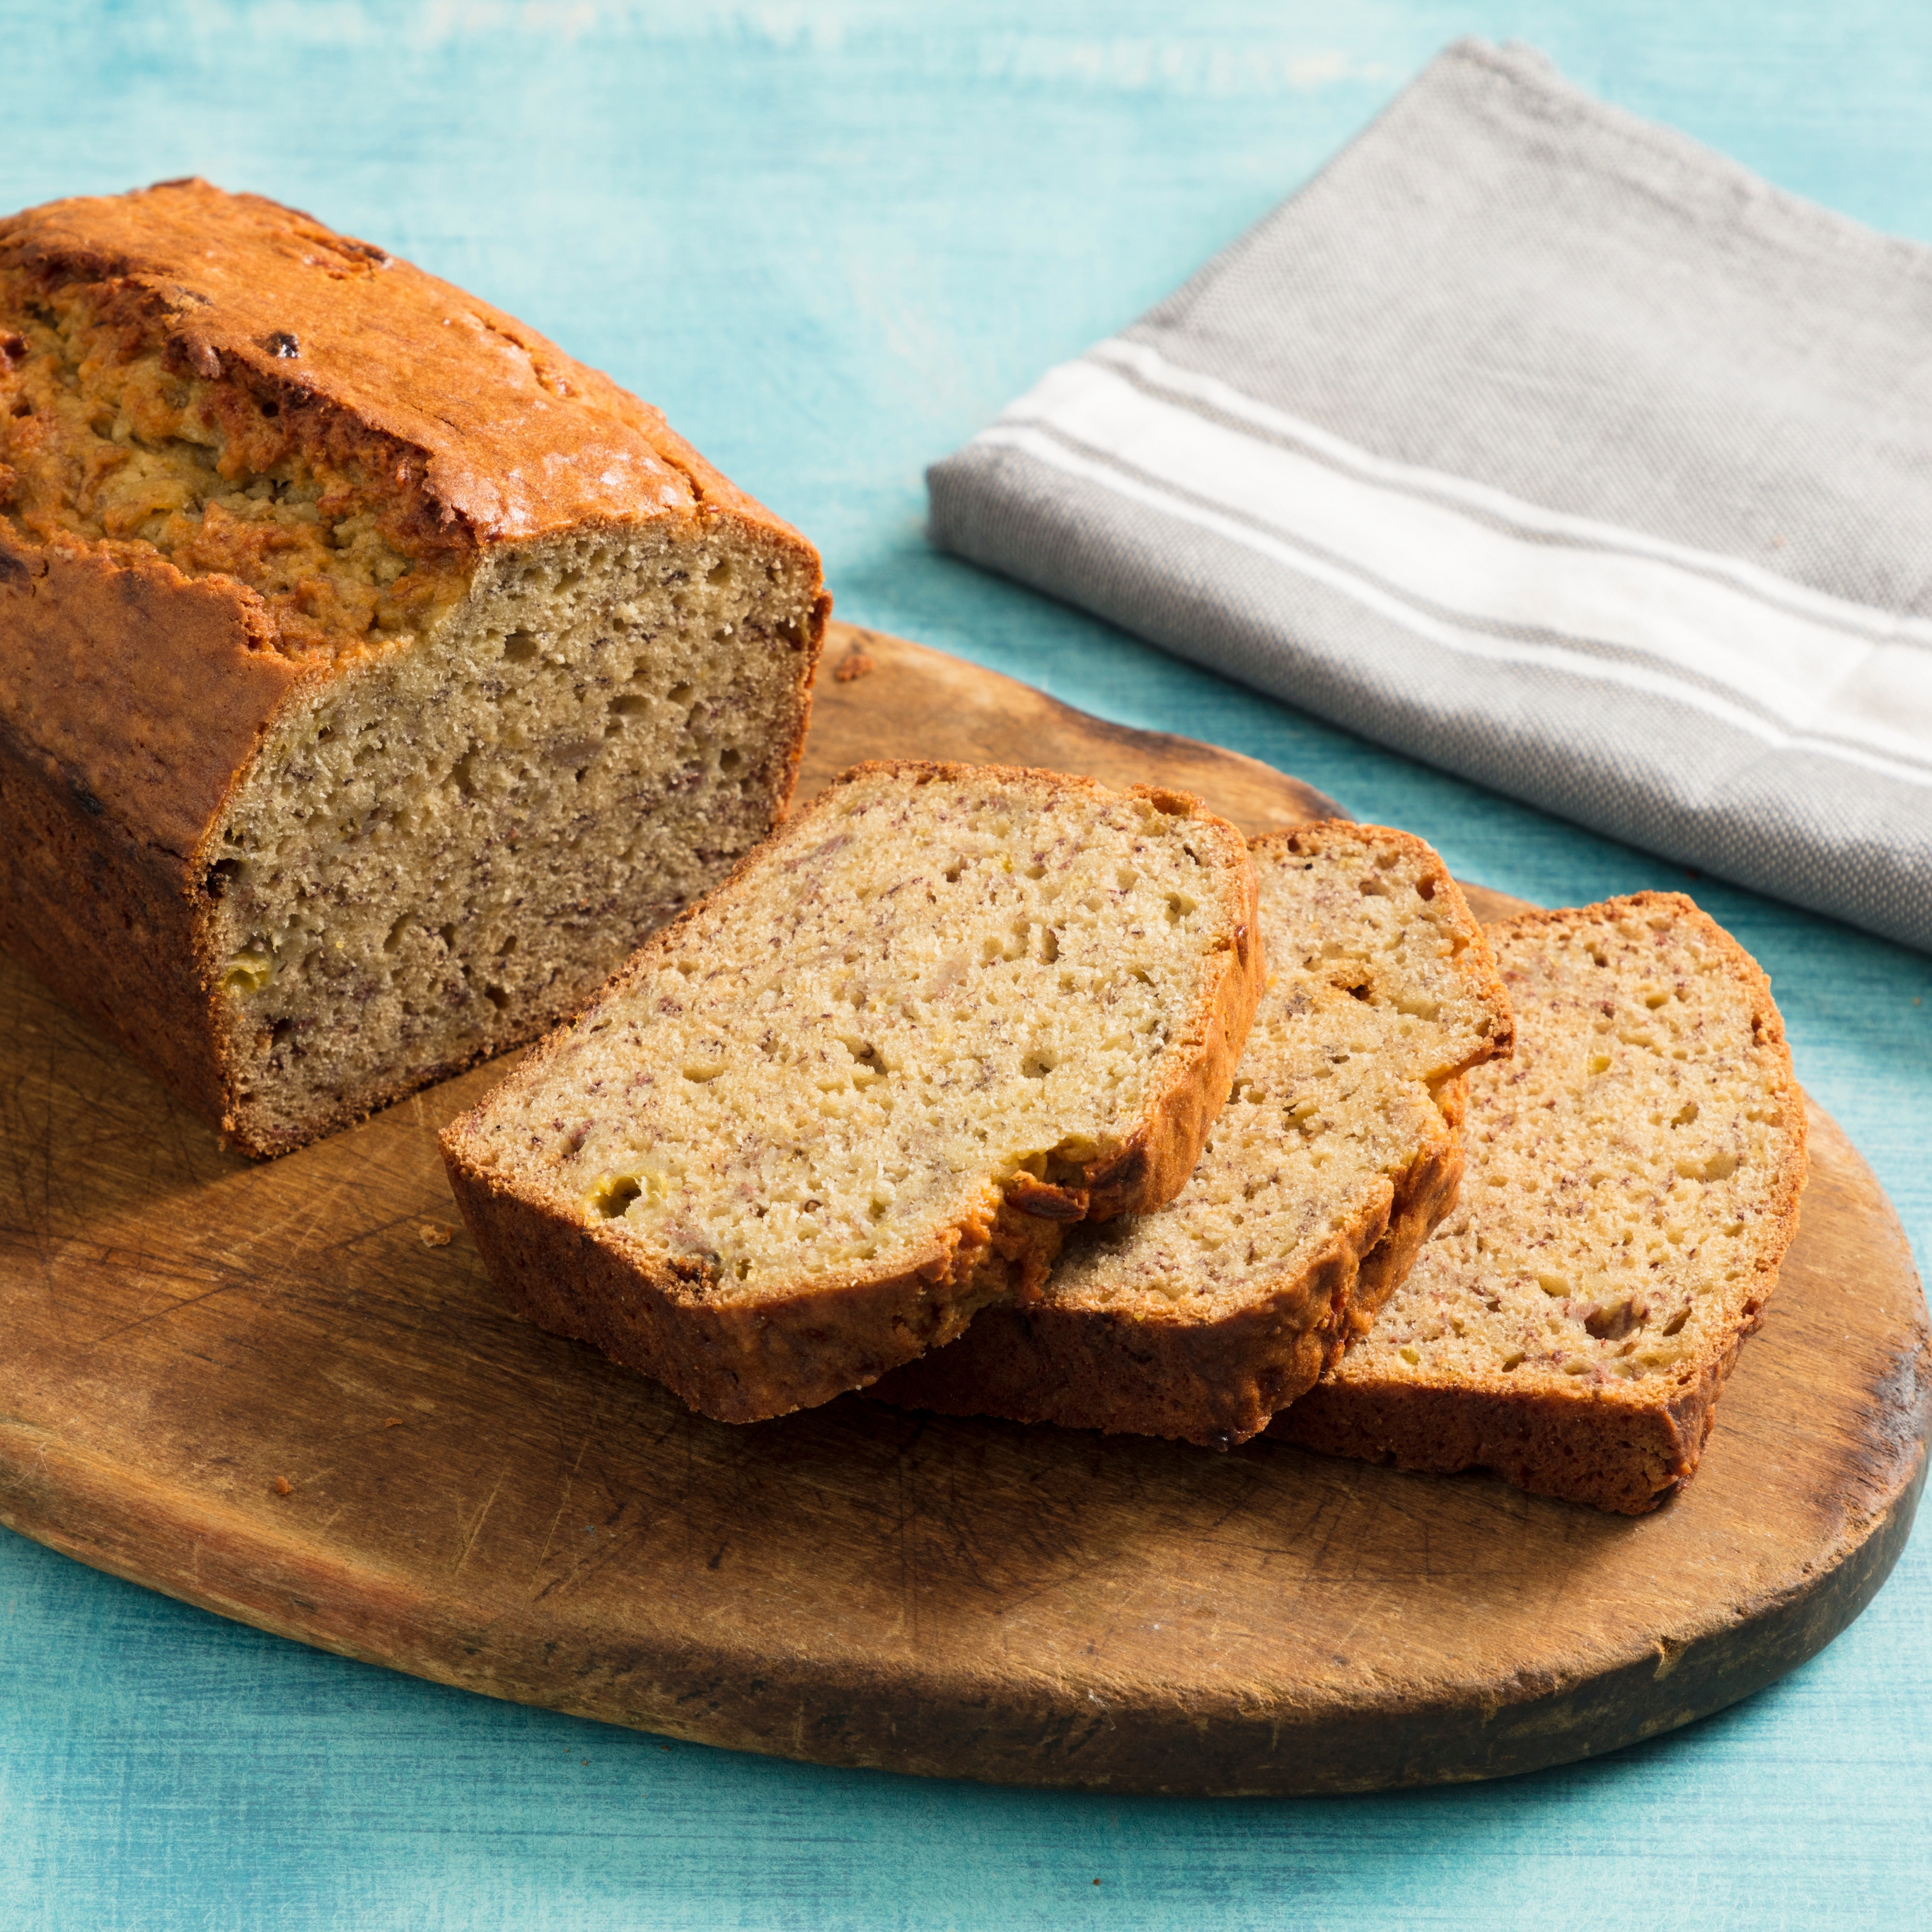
x,y
939,986
445,848
1381,991
1337,1143
1632,1170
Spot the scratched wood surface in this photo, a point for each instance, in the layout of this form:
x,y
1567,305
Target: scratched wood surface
x,y
288,1393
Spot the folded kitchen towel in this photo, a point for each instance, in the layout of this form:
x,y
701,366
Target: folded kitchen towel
x,y
1548,446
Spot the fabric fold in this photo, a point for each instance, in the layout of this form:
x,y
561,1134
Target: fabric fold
x,y
1548,447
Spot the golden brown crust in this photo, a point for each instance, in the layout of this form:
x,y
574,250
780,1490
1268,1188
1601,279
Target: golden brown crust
x,y
106,921
1624,1447
744,1361
1611,1455
510,438
130,700
150,689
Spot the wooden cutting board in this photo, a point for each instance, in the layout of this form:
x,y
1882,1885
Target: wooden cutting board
x,y
288,1394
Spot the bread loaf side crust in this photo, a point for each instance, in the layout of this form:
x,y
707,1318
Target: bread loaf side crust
x,y
140,695
131,699
744,1362
106,922
736,1362
1615,1456
1213,1383
1625,1447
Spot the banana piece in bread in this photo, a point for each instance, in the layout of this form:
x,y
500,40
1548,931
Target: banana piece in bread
x,y
373,676
1337,1152
1633,1175
859,1092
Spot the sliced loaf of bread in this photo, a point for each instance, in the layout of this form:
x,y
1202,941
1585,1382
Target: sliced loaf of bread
x,y
1633,1183
857,1093
1335,1155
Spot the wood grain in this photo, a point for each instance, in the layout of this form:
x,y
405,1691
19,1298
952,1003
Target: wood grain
x,y
288,1393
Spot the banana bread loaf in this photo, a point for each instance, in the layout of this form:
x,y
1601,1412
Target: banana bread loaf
x,y
1336,1154
373,676
1633,1180
858,1091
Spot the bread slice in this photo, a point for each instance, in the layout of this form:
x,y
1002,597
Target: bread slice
x,y
1633,1184
857,1093
373,676
1337,1153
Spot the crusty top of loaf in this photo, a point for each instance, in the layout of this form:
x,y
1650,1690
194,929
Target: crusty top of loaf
x,y
506,435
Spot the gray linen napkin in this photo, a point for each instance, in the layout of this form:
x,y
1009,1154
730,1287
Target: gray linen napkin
x,y
1546,446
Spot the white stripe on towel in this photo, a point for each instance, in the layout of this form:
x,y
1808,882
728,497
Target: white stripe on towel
x,y
1481,572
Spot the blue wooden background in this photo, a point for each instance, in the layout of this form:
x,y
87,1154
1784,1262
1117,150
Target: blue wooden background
x,y
832,240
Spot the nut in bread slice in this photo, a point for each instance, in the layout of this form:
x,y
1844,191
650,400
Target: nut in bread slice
x,y
1633,1180
1336,1154
859,1092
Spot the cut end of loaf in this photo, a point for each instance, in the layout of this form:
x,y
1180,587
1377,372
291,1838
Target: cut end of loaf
x,y
861,1090
1633,1184
444,848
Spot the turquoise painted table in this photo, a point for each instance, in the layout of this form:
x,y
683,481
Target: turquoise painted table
x,y
832,240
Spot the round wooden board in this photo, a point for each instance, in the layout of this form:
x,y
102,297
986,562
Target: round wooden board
x,y
480,1503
